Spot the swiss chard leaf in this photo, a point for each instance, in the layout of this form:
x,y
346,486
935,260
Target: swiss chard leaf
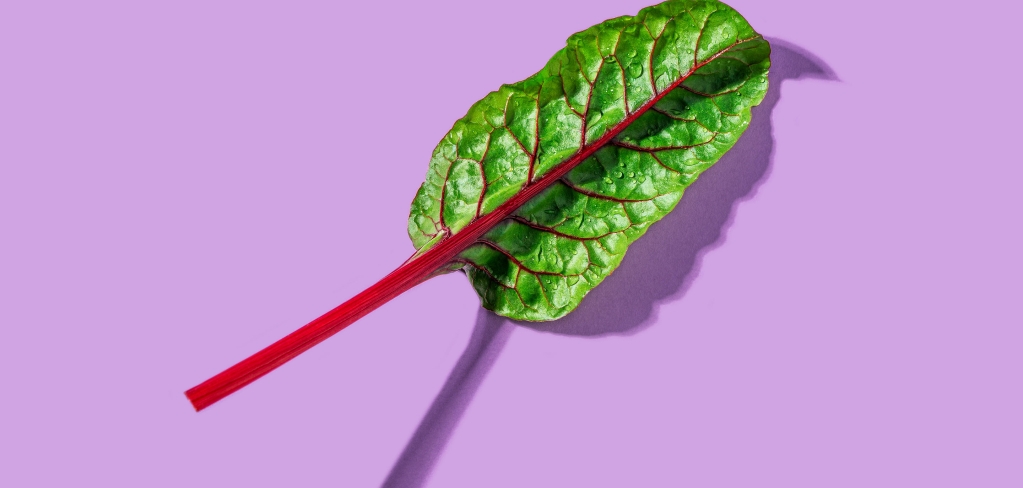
x,y
538,191
661,96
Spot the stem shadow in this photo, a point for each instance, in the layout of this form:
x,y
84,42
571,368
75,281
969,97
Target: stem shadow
x,y
420,454
658,268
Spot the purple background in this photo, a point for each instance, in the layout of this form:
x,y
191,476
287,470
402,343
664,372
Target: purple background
x,y
836,304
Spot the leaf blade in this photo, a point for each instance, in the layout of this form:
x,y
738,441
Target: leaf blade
x,y
637,106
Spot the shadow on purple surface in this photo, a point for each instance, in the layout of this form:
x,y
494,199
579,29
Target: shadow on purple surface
x,y
662,264
659,267
488,338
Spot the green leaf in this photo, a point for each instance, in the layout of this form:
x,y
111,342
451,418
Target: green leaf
x,y
603,141
539,190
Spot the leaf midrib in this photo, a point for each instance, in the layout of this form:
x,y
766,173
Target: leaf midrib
x,y
449,247
414,271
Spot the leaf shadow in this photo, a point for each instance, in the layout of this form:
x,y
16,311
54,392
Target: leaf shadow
x,y
661,265
658,268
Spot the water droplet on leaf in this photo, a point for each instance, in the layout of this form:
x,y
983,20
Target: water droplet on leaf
x,y
608,180
635,70
619,174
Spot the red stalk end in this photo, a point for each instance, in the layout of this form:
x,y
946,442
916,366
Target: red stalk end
x,y
270,358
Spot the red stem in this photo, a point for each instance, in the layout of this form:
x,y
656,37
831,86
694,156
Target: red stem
x,y
408,275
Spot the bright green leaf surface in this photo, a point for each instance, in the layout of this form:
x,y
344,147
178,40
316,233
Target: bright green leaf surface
x,y
540,262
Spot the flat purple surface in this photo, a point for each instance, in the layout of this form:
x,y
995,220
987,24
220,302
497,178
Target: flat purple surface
x,y
836,304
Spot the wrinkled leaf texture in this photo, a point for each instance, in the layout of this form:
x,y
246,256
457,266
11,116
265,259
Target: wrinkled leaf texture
x,y
663,95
